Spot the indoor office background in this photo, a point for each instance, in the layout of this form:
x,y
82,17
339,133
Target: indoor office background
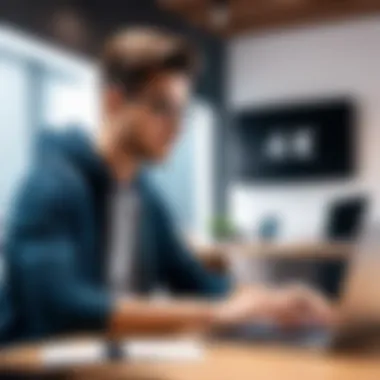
x,y
275,177
49,79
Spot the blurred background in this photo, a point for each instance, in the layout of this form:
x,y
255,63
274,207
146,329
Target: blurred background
x,y
281,142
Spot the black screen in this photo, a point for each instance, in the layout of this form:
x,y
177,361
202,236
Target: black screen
x,y
313,141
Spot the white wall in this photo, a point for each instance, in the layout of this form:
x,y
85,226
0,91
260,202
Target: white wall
x,y
302,64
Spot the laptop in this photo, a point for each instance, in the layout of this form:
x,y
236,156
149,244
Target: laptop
x,y
358,308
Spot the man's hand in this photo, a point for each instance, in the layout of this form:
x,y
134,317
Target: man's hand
x,y
291,306
299,305
288,307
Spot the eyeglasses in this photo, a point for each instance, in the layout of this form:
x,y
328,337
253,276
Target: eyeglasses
x,y
164,108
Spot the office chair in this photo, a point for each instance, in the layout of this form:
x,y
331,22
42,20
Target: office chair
x,y
344,222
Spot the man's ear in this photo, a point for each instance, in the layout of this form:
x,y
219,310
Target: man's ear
x,y
114,99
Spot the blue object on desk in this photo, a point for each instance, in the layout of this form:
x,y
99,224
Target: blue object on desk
x,y
269,228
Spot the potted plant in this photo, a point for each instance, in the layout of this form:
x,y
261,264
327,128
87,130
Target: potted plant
x,y
223,229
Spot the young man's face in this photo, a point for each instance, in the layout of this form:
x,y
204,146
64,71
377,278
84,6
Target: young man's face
x,y
150,122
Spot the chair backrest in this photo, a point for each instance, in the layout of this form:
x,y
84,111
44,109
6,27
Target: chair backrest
x,y
345,218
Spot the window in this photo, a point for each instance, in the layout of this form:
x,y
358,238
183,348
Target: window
x,y
40,86
185,179
15,134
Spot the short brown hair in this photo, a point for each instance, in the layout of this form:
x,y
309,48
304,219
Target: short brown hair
x,y
133,56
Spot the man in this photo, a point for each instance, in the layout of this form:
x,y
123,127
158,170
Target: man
x,y
89,237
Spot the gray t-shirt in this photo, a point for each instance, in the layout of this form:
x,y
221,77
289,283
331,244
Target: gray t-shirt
x,y
123,221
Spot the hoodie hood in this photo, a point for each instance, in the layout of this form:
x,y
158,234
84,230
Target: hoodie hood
x,y
76,147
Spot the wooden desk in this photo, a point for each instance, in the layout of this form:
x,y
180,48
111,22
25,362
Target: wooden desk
x,y
227,362
215,256
299,249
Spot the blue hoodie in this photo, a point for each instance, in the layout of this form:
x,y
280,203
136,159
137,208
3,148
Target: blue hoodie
x,y
55,246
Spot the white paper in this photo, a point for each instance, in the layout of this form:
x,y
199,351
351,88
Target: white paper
x,y
68,354
72,354
163,350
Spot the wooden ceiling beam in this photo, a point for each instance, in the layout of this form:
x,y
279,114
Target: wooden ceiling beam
x,y
266,14
316,12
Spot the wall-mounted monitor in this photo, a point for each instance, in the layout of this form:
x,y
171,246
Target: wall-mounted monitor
x,y
313,141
